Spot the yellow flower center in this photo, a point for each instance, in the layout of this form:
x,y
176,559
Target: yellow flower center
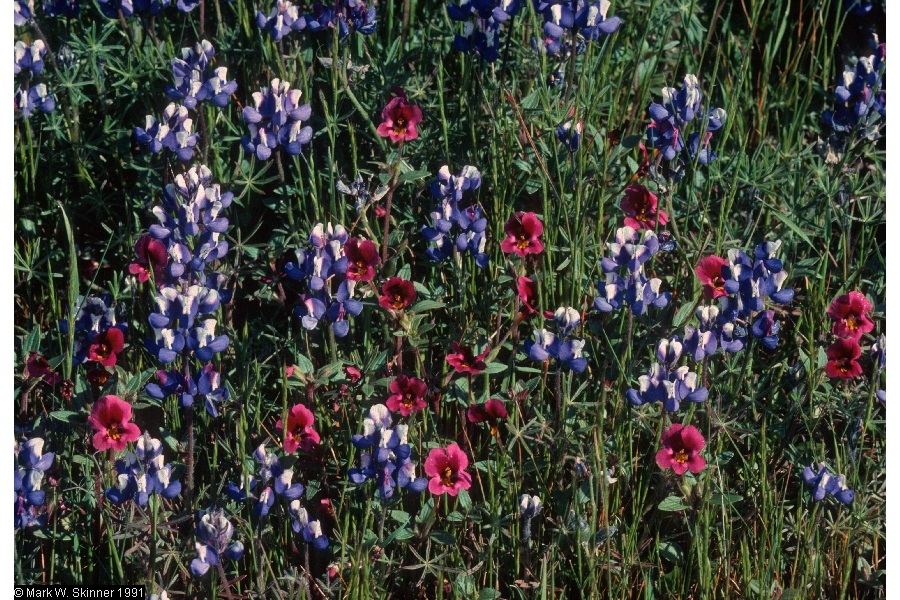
x,y
681,456
447,477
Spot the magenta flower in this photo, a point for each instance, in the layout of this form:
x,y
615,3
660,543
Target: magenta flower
x,y
640,206
106,347
110,418
362,257
299,433
709,272
842,359
36,366
447,469
492,412
407,395
151,257
850,315
681,449
463,360
522,233
399,120
397,293
528,296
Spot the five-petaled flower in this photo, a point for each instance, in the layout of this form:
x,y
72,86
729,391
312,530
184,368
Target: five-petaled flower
x,y
523,231
397,293
709,272
110,418
640,206
106,347
842,359
399,120
681,449
850,315
362,257
463,360
492,412
447,469
407,395
299,433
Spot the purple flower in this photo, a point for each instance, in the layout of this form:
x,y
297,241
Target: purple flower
x,y
30,465
310,530
824,482
23,12
29,58
276,117
859,97
62,8
214,532
36,98
386,455
193,84
142,474
467,225
666,382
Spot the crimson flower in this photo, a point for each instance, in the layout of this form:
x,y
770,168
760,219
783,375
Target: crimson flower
x,y
842,359
353,374
397,293
528,296
850,315
447,469
362,257
491,412
407,395
463,360
106,346
300,433
399,120
151,255
110,418
681,449
640,206
709,272
36,366
522,233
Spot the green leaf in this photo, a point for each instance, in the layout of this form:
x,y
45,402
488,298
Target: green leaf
x,y
671,551
787,220
440,536
65,415
413,176
725,458
83,460
718,498
684,313
672,504
488,594
426,305
401,516
494,367
465,500
632,141
304,364
32,342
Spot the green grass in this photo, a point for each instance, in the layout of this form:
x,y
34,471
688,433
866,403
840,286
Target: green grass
x,y
745,527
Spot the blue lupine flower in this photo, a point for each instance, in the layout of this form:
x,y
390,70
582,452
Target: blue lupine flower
x,y
62,8
29,58
592,21
112,8
386,455
35,98
824,482
30,465
860,95
143,473
23,12
569,134
467,224
214,533
310,530
668,130
272,480
547,345
666,382
588,19
700,342
276,117
173,132
631,249
192,82
95,316
481,37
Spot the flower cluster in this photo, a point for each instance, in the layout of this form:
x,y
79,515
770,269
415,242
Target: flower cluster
x,y
547,345
310,530
666,382
62,8
331,268
206,383
142,474
386,455
824,482
849,314
193,81
276,119
741,285
174,133
99,337
345,15
588,20
113,9
481,35
466,224
670,121
30,465
29,63
860,97
214,533
630,250
261,487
